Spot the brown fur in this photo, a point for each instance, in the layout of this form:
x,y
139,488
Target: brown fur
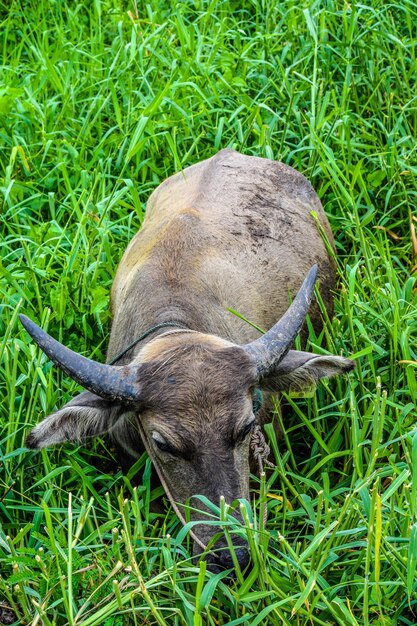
x,y
230,232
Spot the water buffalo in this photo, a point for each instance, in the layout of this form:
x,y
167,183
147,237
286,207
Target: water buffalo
x,y
233,231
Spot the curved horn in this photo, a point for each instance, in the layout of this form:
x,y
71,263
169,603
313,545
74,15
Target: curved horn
x,y
271,348
107,381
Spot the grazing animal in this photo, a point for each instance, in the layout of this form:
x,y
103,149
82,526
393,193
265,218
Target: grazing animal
x,y
233,231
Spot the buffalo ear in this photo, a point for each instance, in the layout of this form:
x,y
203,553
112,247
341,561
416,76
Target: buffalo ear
x,y
84,416
300,370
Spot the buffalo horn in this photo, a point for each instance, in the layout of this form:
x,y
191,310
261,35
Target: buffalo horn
x,y
270,349
107,381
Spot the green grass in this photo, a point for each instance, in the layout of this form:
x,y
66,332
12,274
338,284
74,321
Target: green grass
x,y
99,102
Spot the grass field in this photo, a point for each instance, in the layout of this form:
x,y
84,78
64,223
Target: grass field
x,y
99,102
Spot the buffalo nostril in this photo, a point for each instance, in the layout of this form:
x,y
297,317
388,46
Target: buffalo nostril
x,y
242,557
223,560
214,564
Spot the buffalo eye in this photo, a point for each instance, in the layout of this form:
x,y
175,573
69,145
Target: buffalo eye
x,y
163,445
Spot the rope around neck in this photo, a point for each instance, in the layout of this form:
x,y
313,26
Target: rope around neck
x,y
145,335
260,448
